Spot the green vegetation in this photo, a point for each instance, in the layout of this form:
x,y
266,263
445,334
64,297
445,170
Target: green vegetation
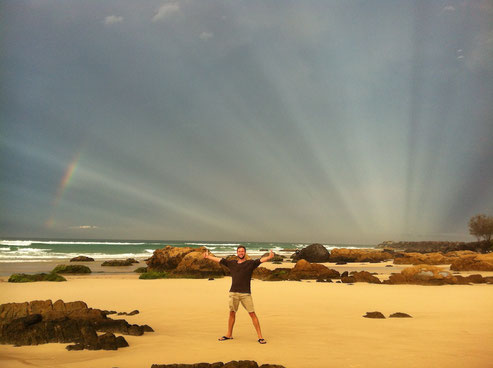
x,y
22,277
71,269
153,275
141,270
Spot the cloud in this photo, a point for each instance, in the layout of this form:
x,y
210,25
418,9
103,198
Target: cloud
x,y
206,35
112,19
449,8
165,10
84,227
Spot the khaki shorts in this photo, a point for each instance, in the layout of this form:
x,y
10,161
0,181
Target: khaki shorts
x,y
245,299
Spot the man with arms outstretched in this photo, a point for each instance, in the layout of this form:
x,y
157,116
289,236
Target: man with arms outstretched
x,y
241,274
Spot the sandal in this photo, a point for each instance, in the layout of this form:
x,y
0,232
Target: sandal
x,y
262,341
225,338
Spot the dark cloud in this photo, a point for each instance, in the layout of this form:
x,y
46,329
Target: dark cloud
x,y
312,121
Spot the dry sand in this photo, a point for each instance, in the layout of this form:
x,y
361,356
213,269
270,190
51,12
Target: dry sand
x,y
306,324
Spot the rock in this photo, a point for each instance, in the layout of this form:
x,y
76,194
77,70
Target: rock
x,y
132,313
359,255
232,364
374,315
476,263
241,364
364,276
313,271
400,315
41,321
71,269
389,266
82,259
418,258
119,262
169,257
341,263
345,274
348,279
141,270
211,278
22,277
277,257
422,275
313,253
194,264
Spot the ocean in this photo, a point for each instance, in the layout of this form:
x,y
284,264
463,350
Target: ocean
x,y
36,250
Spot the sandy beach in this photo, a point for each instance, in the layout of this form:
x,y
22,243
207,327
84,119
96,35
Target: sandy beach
x,y
306,324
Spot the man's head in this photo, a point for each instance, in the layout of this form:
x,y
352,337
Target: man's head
x,y
241,252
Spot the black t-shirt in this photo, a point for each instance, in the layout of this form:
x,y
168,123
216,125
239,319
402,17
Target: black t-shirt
x,y
241,274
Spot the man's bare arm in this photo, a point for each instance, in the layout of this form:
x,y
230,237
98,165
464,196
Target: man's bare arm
x,y
267,258
207,255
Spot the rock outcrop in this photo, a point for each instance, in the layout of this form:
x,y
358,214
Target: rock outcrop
x,y
312,253
64,269
431,275
232,364
312,271
41,322
82,259
478,262
359,255
120,262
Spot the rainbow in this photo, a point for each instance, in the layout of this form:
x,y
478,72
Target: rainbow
x,y
69,173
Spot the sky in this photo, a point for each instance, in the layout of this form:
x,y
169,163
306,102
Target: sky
x,y
298,121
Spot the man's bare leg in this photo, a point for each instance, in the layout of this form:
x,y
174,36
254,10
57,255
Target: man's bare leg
x,y
231,323
256,323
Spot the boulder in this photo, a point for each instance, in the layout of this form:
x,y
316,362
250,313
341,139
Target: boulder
x,y
82,259
232,364
169,258
64,269
400,315
23,277
359,255
312,271
313,253
119,262
364,276
194,264
374,315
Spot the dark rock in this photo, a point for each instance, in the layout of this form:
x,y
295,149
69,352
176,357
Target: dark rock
x,y
141,270
41,321
314,253
400,315
348,279
364,276
345,274
472,264
341,263
22,277
389,266
128,314
119,262
374,315
71,269
241,364
82,259
211,278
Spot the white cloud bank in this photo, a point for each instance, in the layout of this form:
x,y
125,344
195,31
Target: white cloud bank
x,y
165,10
112,19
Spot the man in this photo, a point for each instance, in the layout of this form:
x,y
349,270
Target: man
x,y
241,274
